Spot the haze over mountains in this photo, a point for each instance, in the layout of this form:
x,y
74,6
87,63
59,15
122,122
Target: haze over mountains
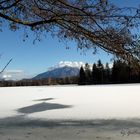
x,y
13,75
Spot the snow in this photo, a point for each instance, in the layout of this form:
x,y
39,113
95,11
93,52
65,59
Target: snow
x,y
71,102
61,64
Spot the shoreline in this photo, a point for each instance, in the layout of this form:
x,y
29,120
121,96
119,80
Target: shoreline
x,y
76,85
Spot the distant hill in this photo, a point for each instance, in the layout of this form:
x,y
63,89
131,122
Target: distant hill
x,y
60,72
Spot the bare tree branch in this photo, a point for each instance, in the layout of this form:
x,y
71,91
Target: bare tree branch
x,y
9,6
6,66
92,23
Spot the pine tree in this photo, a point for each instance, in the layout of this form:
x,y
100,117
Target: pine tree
x,y
82,76
88,74
94,74
107,73
114,72
100,71
120,72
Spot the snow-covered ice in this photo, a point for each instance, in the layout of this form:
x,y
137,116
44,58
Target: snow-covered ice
x,y
71,102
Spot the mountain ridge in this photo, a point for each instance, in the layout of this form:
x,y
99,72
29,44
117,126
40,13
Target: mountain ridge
x,y
61,72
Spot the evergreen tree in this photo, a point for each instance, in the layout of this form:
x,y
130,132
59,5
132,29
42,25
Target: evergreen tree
x,y
114,72
107,73
82,76
88,74
94,74
100,71
120,72
124,72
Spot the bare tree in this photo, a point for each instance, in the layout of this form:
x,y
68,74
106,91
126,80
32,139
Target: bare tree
x,y
5,66
92,23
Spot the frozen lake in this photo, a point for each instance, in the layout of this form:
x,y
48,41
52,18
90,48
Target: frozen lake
x,y
71,102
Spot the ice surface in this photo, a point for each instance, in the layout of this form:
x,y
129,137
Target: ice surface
x,y
71,102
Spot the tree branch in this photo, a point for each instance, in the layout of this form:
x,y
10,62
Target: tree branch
x,y
30,24
10,6
6,66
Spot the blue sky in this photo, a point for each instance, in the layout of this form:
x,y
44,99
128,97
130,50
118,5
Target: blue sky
x,y
129,3
36,58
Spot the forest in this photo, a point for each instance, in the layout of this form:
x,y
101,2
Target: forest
x,y
121,72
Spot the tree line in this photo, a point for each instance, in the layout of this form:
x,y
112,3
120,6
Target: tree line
x,y
40,82
121,72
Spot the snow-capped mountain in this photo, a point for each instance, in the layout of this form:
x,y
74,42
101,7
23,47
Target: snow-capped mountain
x,y
67,63
60,72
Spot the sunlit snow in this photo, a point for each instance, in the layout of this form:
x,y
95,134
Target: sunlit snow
x,y
71,102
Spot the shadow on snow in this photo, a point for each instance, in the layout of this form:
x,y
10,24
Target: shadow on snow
x,y
41,107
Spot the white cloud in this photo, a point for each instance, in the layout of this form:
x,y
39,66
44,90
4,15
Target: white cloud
x,y
70,64
13,75
73,64
111,65
67,63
